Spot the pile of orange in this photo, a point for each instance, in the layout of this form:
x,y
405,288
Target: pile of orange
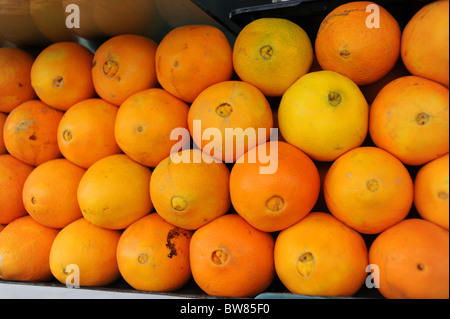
x,y
323,166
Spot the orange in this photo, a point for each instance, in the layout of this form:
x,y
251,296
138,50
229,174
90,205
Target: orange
x,y
229,118
230,258
191,192
50,193
86,132
368,189
274,200
191,58
425,44
320,256
15,82
2,125
350,42
409,118
144,125
30,132
2,227
24,250
271,54
13,174
153,255
114,192
124,65
61,75
324,114
84,254
413,260
431,191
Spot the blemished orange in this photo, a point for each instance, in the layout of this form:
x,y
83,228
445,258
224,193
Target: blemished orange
x,y
24,250
2,125
13,174
410,119
229,118
50,193
15,82
431,191
191,58
413,260
86,132
324,114
274,200
61,75
425,47
189,189
271,54
368,189
145,122
320,256
153,255
85,254
230,258
115,192
30,132
362,45
124,65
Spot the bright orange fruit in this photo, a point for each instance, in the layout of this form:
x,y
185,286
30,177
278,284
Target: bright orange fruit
x,y
25,249
61,75
281,197
191,58
351,42
413,260
30,132
230,258
124,65
153,255
15,82
320,256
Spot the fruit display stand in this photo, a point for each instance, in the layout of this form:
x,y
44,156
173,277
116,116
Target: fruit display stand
x,y
32,25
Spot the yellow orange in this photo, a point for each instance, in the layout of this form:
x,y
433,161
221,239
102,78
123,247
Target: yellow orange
x,y
192,192
50,193
271,54
324,114
114,192
85,254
